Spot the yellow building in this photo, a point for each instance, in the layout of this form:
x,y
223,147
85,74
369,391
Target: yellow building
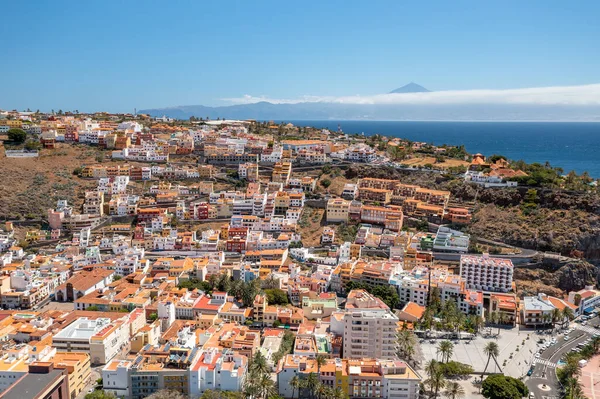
x,y
14,123
337,210
78,366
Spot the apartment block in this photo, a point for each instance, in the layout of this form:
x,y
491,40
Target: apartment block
x,y
369,327
482,272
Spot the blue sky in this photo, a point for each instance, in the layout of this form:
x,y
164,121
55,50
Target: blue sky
x,y
117,55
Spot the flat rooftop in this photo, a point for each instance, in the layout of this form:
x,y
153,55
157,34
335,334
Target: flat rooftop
x,y
31,385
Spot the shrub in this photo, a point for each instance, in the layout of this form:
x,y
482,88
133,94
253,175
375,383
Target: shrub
x,y
17,135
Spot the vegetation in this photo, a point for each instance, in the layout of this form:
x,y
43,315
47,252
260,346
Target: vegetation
x,y
210,394
386,293
492,351
325,183
445,349
569,373
276,296
287,344
449,318
347,232
16,135
166,394
436,380
32,145
453,369
100,394
500,386
407,346
245,291
258,382
454,390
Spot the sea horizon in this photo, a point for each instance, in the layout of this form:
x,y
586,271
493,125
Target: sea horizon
x,y
569,145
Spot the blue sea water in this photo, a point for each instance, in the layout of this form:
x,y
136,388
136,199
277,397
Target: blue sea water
x,y
570,145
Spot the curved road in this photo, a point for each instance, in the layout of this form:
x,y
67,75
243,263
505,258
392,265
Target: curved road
x,y
544,374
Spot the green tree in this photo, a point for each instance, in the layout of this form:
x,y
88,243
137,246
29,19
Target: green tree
x,y
295,384
166,394
153,316
446,349
436,379
310,384
321,361
210,394
325,183
276,296
454,391
406,343
567,314
491,350
100,394
32,145
17,135
500,386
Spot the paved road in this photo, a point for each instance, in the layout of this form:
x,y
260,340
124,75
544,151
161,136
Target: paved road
x,y
545,368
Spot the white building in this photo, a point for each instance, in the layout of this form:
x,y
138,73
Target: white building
x,y
223,371
369,327
102,338
448,240
482,272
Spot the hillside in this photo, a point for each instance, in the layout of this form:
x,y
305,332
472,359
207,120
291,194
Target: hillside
x,y
29,187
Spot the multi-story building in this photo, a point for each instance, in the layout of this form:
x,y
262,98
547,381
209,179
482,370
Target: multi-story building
x,y
585,300
369,327
78,367
357,378
482,272
536,311
42,381
102,338
337,210
218,370
248,171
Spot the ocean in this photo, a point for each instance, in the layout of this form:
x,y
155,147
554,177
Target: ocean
x,y
569,145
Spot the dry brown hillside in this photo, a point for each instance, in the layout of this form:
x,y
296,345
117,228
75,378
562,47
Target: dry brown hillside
x,y
28,187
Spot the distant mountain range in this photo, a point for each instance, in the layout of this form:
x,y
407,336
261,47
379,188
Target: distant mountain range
x,y
387,109
410,88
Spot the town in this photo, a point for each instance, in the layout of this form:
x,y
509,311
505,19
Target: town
x,y
225,257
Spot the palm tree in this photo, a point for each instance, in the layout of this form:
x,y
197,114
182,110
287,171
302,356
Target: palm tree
x,y
556,316
259,364
406,342
445,348
571,367
437,381
311,382
567,314
596,344
266,386
295,384
546,318
251,389
321,361
321,391
492,351
493,319
573,389
454,391
339,393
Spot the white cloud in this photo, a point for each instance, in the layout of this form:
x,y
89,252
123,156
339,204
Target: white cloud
x,y
564,95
